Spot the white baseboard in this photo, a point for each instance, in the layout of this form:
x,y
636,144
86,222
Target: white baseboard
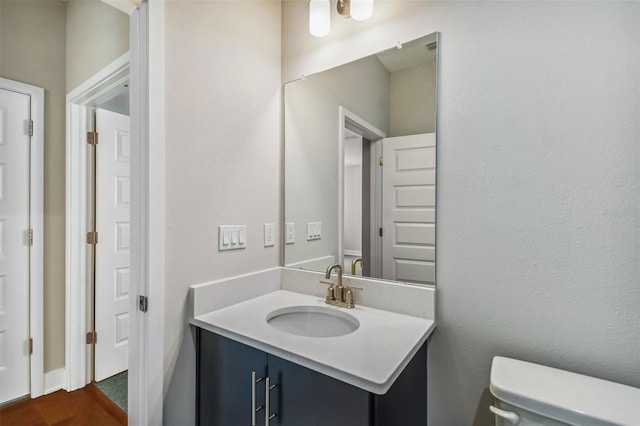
x,y
54,380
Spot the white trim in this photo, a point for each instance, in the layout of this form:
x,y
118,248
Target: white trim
x,y
137,408
146,355
126,6
36,263
111,76
316,264
156,213
75,248
78,369
54,380
375,265
353,122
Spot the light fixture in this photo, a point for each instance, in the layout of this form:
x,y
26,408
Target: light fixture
x,y
320,11
319,17
361,10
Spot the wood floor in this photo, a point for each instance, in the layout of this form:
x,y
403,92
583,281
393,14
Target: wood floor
x,y
86,406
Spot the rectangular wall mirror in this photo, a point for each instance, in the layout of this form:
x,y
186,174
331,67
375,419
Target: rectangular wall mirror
x,y
360,166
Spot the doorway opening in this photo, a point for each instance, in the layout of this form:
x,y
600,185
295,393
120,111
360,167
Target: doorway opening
x,y
98,234
111,202
360,245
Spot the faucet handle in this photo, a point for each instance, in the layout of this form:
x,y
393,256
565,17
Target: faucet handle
x,y
330,290
348,296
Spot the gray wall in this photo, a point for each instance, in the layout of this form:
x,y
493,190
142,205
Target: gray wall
x,y
97,34
538,183
32,35
222,162
311,147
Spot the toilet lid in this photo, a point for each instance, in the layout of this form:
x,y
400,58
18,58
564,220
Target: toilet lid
x,y
561,395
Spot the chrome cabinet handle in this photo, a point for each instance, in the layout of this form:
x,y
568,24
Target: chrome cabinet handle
x,y
267,414
254,410
511,416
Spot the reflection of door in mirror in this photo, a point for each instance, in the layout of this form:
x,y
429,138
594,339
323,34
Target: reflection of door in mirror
x,y
389,206
360,243
409,208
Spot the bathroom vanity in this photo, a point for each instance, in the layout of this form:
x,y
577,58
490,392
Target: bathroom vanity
x,y
286,347
233,381
252,369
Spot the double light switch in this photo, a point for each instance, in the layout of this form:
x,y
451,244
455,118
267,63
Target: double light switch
x,y
232,237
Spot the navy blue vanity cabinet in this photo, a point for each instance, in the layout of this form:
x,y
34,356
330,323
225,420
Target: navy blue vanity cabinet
x,y
305,397
298,396
224,370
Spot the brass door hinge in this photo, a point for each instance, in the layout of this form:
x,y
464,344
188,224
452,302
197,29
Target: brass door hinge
x,y
92,138
30,345
92,338
30,237
381,161
92,238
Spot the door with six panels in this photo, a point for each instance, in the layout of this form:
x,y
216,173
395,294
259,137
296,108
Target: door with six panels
x,y
112,267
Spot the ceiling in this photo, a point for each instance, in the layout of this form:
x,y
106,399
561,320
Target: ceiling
x,y
412,53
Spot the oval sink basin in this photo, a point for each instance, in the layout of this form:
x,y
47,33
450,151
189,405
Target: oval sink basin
x,y
313,321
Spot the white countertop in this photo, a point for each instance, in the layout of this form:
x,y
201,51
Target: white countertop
x,y
371,358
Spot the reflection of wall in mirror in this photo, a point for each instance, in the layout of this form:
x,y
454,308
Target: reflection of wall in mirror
x,y
412,100
311,146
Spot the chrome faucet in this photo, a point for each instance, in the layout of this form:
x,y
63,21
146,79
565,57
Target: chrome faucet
x,y
336,296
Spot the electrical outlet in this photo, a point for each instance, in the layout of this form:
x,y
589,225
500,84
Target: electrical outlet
x,y
269,234
290,236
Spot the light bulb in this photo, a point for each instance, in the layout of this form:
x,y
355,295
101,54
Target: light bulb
x,y
361,9
319,17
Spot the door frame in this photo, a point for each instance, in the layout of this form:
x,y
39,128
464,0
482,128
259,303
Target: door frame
x,y
78,202
36,219
360,126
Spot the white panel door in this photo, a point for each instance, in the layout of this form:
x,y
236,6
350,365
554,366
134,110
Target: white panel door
x,y
14,244
409,208
112,252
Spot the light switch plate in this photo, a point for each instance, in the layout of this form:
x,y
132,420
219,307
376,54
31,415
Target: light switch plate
x,y
290,236
269,234
232,237
314,231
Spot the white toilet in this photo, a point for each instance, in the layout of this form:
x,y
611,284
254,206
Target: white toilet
x,y
531,394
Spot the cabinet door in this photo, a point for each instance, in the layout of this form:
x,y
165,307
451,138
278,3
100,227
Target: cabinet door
x,y
224,381
305,397
406,402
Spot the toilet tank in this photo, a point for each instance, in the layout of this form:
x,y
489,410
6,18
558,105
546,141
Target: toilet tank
x,y
531,394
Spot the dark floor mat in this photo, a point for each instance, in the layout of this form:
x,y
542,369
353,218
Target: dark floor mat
x,y
115,388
